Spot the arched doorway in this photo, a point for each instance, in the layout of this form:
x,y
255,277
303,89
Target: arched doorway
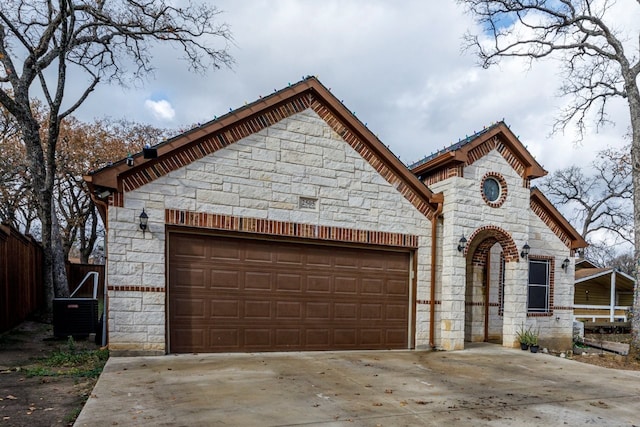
x,y
488,253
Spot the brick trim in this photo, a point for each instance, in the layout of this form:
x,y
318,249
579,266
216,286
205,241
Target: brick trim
x,y
256,123
288,229
372,158
550,222
490,234
476,154
127,288
215,142
503,189
427,302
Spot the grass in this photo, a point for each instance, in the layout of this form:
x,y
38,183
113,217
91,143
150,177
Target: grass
x,y
69,361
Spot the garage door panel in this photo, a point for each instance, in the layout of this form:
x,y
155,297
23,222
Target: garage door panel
x,y
220,253
289,310
225,309
345,311
227,279
226,339
396,312
397,288
345,337
185,277
257,310
371,311
257,280
318,338
322,260
346,285
286,338
318,311
288,282
289,257
189,308
317,283
186,247
253,295
257,253
372,286
372,337
257,338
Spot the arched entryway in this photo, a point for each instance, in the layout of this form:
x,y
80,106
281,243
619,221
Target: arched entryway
x,y
488,253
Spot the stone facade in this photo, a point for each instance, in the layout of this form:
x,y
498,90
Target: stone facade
x,y
262,176
467,213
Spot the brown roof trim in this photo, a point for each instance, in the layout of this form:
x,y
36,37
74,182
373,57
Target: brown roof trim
x,y
465,154
217,134
548,213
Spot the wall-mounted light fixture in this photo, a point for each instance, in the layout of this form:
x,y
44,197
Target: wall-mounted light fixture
x,y
103,194
462,243
565,264
144,220
525,251
129,160
586,294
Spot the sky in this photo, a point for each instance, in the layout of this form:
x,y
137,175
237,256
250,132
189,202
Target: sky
x,y
397,64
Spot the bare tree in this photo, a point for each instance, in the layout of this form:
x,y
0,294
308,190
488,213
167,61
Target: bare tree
x,y
43,44
597,67
600,199
83,147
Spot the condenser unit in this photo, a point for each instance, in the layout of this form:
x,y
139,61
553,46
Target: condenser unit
x,y
76,317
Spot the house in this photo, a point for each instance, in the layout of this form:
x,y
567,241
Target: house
x,y
287,225
601,294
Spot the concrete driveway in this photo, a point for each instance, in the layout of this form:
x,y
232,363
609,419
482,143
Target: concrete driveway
x,y
483,385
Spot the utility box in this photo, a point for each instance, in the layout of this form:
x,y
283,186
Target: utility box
x,y
76,317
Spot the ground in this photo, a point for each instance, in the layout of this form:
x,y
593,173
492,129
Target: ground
x,y
609,360
45,382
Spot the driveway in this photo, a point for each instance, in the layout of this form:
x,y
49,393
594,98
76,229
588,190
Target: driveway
x,y
483,385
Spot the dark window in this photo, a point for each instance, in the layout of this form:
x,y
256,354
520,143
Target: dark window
x,y
538,295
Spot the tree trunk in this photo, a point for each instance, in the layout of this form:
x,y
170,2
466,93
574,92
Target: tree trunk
x,y
42,171
634,106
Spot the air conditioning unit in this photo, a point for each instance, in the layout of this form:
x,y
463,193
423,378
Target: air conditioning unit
x,y
76,317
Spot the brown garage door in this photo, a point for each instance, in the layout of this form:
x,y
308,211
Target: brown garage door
x,y
235,294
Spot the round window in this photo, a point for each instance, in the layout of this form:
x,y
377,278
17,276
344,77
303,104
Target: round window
x,y
491,189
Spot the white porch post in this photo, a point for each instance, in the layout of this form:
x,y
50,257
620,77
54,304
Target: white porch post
x,y
612,297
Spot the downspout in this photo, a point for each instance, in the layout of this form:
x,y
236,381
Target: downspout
x,y
432,296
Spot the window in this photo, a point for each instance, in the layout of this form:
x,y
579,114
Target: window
x,y
539,286
491,189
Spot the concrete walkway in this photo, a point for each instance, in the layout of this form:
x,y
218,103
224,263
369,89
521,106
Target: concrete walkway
x,y
484,385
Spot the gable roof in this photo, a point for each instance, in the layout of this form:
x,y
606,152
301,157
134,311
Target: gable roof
x,y
113,181
470,149
557,223
584,263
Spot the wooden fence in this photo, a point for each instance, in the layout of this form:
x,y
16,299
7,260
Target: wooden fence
x,y
21,290
21,282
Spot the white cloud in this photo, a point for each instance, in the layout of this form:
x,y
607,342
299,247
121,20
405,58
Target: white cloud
x,y
161,110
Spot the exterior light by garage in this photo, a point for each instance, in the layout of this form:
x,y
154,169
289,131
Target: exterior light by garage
x,y
565,264
525,251
144,220
462,243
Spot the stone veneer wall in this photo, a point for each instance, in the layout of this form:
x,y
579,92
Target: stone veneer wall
x,y
465,212
261,177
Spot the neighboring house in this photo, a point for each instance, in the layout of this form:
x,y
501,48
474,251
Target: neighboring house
x,y
287,225
601,294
